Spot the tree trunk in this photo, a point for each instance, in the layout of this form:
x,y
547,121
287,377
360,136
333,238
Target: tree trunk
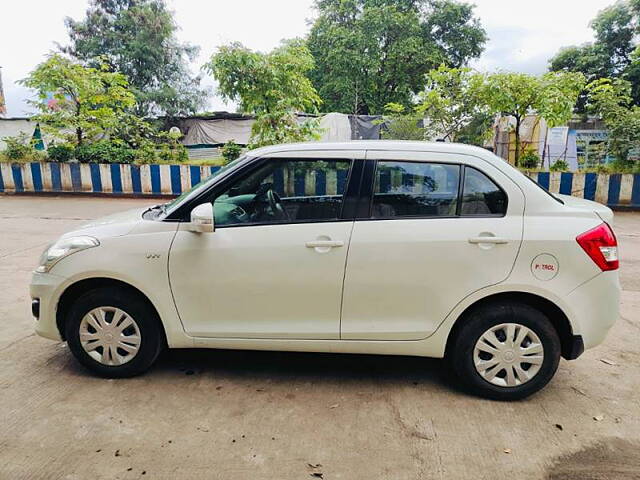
x,y
517,155
78,129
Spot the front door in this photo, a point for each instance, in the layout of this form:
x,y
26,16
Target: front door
x,y
439,228
274,266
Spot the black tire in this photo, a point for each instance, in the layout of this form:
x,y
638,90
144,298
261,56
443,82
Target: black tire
x,y
460,354
152,340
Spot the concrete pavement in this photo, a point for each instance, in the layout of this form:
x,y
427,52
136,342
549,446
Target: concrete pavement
x,y
255,415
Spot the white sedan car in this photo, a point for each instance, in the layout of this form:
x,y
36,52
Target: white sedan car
x,y
378,247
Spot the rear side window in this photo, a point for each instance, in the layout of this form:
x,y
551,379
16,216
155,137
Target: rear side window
x,y
481,196
414,189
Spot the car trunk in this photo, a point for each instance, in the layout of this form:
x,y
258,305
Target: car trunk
x,y
604,212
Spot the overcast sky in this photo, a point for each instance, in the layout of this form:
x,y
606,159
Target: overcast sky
x,y
523,34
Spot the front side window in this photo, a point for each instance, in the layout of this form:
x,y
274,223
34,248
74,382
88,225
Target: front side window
x,y
285,191
481,196
415,189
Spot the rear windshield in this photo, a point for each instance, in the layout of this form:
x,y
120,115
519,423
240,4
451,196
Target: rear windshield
x,y
559,200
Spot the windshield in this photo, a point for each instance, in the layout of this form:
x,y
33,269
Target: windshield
x,y
167,208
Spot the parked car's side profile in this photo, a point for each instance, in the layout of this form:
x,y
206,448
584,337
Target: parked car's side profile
x,y
401,248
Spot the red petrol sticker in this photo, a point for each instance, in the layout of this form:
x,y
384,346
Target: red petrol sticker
x,y
544,267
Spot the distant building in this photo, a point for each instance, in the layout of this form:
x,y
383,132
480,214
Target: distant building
x,y
3,105
582,143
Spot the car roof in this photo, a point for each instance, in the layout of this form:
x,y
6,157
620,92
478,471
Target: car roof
x,y
388,145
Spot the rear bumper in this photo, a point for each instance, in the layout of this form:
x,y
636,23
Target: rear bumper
x,y
596,307
575,348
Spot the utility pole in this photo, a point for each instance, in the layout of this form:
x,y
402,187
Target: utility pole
x,y
3,105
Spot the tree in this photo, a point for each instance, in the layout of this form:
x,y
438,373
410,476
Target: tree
x,y
400,125
273,86
137,38
612,101
552,96
88,101
611,54
451,100
369,53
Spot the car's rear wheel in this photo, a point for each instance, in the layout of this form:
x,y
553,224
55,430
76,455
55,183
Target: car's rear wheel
x,y
505,351
114,332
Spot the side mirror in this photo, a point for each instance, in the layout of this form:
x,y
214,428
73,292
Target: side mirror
x,y
202,218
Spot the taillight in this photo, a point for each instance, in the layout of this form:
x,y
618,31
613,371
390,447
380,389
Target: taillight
x,y
601,245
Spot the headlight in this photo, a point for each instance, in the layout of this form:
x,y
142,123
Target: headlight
x,y
63,248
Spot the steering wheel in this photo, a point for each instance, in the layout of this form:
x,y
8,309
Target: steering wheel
x,y
275,204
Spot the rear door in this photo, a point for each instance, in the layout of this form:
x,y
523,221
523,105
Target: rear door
x,y
435,228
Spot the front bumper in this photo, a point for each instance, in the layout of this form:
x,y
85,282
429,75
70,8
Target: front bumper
x,y
44,290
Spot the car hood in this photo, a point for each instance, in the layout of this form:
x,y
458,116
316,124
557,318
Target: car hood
x,y
604,212
114,225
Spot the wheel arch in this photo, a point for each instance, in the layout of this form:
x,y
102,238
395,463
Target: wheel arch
x,y
76,289
553,312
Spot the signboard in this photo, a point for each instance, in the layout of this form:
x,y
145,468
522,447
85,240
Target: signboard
x,y
557,139
591,147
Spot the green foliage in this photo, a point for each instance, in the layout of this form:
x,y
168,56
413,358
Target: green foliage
x,y
451,100
282,127
105,151
265,82
62,152
560,165
136,132
612,101
369,53
273,86
21,147
172,153
552,96
148,142
478,131
87,101
230,151
138,39
530,160
400,125
601,168
117,151
146,153
611,54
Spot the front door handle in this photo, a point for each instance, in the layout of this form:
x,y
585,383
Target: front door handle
x,y
325,244
487,239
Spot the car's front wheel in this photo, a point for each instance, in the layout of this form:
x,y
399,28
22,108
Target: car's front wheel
x,y
505,351
114,332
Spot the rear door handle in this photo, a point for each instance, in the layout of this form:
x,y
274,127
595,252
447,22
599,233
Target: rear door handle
x,y
325,244
494,240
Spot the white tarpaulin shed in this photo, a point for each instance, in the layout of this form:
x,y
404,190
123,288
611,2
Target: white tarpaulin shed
x,y
335,127
221,127
216,131
11,127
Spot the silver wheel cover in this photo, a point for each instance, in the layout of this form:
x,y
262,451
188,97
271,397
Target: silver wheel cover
x,y
508,355
110,336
